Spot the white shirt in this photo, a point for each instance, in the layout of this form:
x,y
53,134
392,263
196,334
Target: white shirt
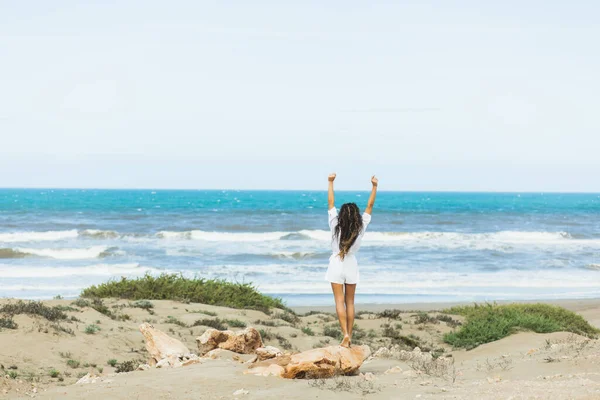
x,y
335,243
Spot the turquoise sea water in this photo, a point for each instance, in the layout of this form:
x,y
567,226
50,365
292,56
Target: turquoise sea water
x,y
419,247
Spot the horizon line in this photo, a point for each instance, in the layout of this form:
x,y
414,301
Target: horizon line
x,y
303,190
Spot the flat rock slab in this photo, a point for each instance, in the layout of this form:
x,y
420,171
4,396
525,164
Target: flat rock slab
x,y
323,362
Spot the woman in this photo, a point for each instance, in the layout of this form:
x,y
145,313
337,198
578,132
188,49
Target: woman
x,y
347,229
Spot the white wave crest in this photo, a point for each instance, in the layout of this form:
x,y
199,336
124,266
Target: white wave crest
x,y
222,236
17,237
66,254
106,270
99,234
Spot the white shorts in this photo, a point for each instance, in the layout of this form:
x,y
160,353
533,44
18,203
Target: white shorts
x,y
342,271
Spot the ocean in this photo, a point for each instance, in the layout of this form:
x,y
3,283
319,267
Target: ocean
x,y
420,247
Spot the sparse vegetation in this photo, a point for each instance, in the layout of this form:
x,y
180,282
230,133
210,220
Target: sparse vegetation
x,y
172,320
332,331
127,366
112,362
12,374
283,342
287,317
490,322
266,323
8,323
213,323
424,318
341,383
451,322
266,334
307,331
410,341
81,303
73,363
390,314
235,323
91,329
54,373
34,308
209,313
143,304
66,308
177,287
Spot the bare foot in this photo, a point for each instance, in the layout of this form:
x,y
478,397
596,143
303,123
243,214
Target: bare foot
x,y
346,341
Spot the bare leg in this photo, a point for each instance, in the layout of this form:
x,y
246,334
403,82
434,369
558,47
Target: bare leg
x,y
350,290
340,308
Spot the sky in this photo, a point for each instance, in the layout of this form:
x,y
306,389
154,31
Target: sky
x,y
428,95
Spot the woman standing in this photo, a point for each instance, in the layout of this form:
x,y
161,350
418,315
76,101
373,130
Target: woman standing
x,y
347,230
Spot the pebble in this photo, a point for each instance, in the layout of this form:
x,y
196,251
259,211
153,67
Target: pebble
x,y
240,392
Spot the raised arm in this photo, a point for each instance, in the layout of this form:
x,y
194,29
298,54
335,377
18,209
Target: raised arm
x,y
371,202
330,196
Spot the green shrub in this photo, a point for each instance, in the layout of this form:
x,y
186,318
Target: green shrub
x,y
235,323
81,303
306,330
13,374
287,317
390,314
91,329
34,308
265,334
424,318
98,305
127,366
266,323
143,304
54,373
448,320
176,287
209,313
489,322
173,320
332,331
213,323
66,308
73,363
8,323
112,362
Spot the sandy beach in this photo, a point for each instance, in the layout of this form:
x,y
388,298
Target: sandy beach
x,y
43,359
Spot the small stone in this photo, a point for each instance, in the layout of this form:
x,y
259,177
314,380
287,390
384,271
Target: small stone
x,y
240,392
368,376
143,367
393,370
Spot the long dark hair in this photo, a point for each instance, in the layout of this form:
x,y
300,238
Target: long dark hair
x,y
349,225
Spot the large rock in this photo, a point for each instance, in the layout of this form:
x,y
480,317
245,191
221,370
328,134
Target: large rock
x,y
161,346
317,363
243,342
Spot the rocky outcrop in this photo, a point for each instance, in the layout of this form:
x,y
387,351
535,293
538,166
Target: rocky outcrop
x,y
164,350
267,352
243,342
317,363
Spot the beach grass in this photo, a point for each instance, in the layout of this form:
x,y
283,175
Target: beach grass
x,y
176,287
489,322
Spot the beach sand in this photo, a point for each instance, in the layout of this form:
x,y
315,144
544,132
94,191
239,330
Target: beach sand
x,y
522,366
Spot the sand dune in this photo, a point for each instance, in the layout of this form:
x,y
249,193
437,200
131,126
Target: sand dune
x,y
523,366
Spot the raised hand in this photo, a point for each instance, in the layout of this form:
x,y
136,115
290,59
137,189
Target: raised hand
x,y
332,177
374,180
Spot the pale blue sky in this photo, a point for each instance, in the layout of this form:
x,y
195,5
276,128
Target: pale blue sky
x,y
430,95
